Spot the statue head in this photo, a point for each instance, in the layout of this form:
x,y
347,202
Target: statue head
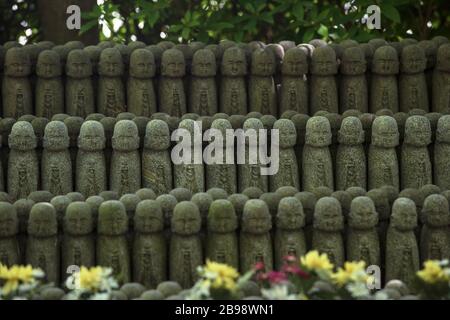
x,y
300,121
353,61
263,63
404,214
443,129
94,203
56,136
112,218
430,50
413,59
234,62
222,217
173,64
42,220
23,208
79,64
126,136
203,201
142,64
92,136
148,217
290,215
436,211
385,132
217,193
272,199
308,200
253,125
345,199
181,194
256,218
93,53
381,202
22,136
188,54
157,55
417,131
157,135
323,61
328,215
287,133
295,62
204,63
368,53
443,58
186,219
73,125
318,132
48,65
238,201
78,219
439,40
111,64
9,222
252,192
385,61
351,132
363,214
17,63
167,203
146,194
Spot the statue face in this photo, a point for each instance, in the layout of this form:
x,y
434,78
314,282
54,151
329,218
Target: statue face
x,y
42,221
48,64
22,136
263,62
362,213
56,136
295,62
443,58
78,219
385,132
256,222
324,61
234,63
112,218
9,223
173,63
111,64
436,211
126,135
94,53
290,214
287,132
351,131
186,219
142,64
157,135
443,129
148,217
385,61
204,63
92,136
78,64
353,61
318,132
417,131
17,63
328,215
413,59
222,217
404,214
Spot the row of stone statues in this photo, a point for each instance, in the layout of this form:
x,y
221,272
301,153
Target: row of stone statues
x,y
308,158
233,78
149,239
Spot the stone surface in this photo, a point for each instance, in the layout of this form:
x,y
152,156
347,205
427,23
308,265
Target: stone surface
x,y
172,97
353,90
9,246
441,165
440,81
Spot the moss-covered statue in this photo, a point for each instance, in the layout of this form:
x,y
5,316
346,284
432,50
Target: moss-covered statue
x,y
203,201
351,167
383,83
16,86
441,81
261,86
149,245
42,248
222,240
80,100
156,163
362,236
382,160
23,165
249,174
324,92
111,90
441,165
413,91
73,124
294,92
435,235
140,87
415,159
78,243
49,86
125,173
203,98
172,97
402,252
353,91
56,165
91,176
233,88
112,247
289,238
9,245
186,252
222,175
328,225
255,238
383,208
288,171
317,162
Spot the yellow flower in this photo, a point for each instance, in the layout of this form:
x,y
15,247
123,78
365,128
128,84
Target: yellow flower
x,y
223,276
90,279
432,272
14,276
352,271
313,261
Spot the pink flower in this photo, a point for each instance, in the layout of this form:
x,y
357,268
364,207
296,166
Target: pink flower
x,y
295,270
289,258
259,266
276,277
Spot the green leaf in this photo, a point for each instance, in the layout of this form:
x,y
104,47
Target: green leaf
x,y
309,35
323,31
298,11
391,13
185,33
88,26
